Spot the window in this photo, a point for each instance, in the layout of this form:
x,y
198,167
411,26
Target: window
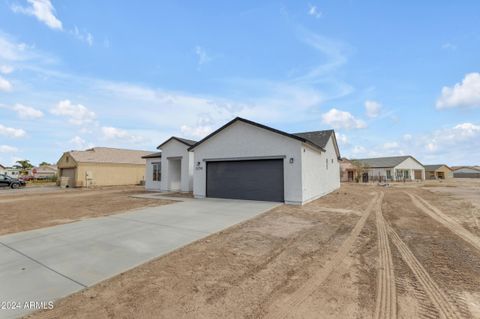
x,y
326,163
157,172
389,174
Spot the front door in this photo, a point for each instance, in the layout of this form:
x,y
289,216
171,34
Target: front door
x,y
350,176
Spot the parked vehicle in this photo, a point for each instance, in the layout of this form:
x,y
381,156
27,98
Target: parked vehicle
x,y
7,181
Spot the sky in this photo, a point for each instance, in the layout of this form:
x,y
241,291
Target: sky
x,y
391,78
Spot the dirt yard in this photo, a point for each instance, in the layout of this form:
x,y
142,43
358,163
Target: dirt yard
x,y
24,210
361,252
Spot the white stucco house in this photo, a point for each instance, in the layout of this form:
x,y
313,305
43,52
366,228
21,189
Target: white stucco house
x,y
394,168
171,169
248,160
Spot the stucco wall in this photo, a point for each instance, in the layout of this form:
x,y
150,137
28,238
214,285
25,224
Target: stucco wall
x,y
150,184
411,165
318,178
175,148
242,140
108,174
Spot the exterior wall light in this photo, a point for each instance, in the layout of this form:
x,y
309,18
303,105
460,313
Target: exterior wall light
x,y
291,160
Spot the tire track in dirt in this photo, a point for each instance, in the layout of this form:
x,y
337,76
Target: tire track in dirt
x,y
445,220
386,302
436,295
289,305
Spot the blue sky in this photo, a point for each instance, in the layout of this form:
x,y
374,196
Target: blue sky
x,y
390,78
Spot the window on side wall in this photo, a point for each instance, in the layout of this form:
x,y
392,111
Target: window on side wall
x,y
157,172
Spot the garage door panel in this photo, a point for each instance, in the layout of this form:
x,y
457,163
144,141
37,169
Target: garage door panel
x,y
254,180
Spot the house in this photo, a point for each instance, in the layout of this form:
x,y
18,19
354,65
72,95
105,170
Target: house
x,y
248,160
466,172
348,171
394,168
12,172
101,166
44,172
439,171
2,169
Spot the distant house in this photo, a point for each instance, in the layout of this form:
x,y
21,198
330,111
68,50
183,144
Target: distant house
x,y
348,171
2,169
466,172
12,172
394,168
438,171
101,166
44,172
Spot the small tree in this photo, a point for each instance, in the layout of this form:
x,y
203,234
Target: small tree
x,y
360,169
44,164
23,166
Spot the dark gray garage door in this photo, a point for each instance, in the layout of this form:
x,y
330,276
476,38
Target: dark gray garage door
x,y
254,180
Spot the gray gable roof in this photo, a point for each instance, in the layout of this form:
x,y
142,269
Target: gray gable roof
x,y
153,155
180,139
319,138
382,162
434,167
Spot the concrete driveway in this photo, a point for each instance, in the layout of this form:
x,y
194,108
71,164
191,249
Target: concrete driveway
x,y
46,264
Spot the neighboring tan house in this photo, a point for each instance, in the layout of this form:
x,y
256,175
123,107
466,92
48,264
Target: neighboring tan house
x,y
439,171
44,172
2,169
348,171
466,172
394,168
101,166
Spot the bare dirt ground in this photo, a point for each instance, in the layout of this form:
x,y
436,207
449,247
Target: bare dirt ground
x,y
360,252
25,211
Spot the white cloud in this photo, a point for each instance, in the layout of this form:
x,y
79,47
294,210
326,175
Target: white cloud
x,y
359,150
314,11
83,36
6,69
341,119
8,149
5,85
202,55
12,132
449,46
27,112
372,108
113,133
79,143
390,145
342,139
407,137
43,10
196,131
77,114
465,94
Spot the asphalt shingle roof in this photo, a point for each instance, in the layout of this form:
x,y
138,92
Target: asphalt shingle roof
x,y
383,161
109,155
433,167
319,138
153,155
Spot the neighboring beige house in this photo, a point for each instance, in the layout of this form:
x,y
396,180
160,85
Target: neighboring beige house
x,y
2,169
466,172
439,171
101,166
